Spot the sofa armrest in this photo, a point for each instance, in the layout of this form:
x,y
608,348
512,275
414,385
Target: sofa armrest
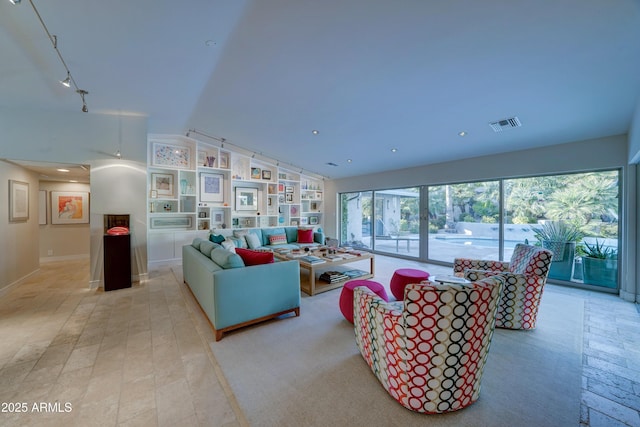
x,y
462,264
242,294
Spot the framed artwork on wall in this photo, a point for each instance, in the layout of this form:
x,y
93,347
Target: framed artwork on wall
x,y
211,187
162,185
174,156
246,199
42,207
69,207
18,201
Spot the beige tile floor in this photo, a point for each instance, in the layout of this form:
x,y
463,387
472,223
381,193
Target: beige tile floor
x,y
130,357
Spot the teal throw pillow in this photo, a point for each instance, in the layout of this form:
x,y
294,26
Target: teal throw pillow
x,y
217,238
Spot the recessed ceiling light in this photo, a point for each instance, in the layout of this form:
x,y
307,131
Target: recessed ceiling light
x,y
349,160
462,133
62,170
393,150
315,132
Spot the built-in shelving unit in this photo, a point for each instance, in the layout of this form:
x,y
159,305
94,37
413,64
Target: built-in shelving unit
x,y
195,187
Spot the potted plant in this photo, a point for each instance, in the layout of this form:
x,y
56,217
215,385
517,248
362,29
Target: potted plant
x,y
600,264
560,238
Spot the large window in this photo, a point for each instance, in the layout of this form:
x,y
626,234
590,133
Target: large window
x,y
574,215
464,221
386,220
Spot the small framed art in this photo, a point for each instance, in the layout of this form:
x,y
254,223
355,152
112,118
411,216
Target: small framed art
x,y
211,187
18,201
69,207
162,184
246,199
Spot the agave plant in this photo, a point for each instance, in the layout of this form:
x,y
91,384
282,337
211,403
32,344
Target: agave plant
x,y
598,250
557,232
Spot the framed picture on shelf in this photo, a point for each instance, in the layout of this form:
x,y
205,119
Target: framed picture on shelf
x,y
313,220
288,189
246,199
211,187
304,220
266,174
171,222
175,156
313,206
318,195
280,188
224,160
281,199
18,201
217,217
289,198
282,175
162,184
69,207
294,222
255,173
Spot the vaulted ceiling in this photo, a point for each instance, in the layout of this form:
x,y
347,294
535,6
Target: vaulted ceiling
x,y
369,75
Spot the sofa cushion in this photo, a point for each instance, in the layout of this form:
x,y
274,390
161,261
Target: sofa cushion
x,y
251,257
206,247
253,241
238,242
292,234
228,245
305,235
278,239
270,232
196,242
217,238
226,259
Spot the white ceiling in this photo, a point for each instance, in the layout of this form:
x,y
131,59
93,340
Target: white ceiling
x,y
370,75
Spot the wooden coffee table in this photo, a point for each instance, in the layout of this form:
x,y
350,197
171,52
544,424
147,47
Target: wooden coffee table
x,y
308,272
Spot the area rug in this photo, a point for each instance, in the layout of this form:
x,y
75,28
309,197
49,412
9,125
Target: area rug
x,y
307,371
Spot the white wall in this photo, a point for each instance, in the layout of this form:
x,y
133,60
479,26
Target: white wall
x,y
122,186
68,241
80,138
603,153
18,240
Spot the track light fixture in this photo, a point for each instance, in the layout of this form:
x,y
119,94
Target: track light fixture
x,y
54,42
84,104
66,82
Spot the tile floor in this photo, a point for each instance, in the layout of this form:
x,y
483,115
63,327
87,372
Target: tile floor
x,y
139,356
131,357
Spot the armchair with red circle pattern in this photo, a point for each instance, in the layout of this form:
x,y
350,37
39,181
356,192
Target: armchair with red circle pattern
x,y
525,276
429,350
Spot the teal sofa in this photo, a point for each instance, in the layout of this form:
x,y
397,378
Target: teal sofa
x,y
233,295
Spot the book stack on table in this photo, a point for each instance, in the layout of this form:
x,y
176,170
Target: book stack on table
x,y
311,259
333,276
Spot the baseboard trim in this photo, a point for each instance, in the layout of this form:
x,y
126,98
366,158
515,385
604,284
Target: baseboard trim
x,y
64,258
10,286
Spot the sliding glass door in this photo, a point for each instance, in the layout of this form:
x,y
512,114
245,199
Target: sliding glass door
x,y
397,221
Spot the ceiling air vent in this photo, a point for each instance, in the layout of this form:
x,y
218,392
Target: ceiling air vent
x,y
500,125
